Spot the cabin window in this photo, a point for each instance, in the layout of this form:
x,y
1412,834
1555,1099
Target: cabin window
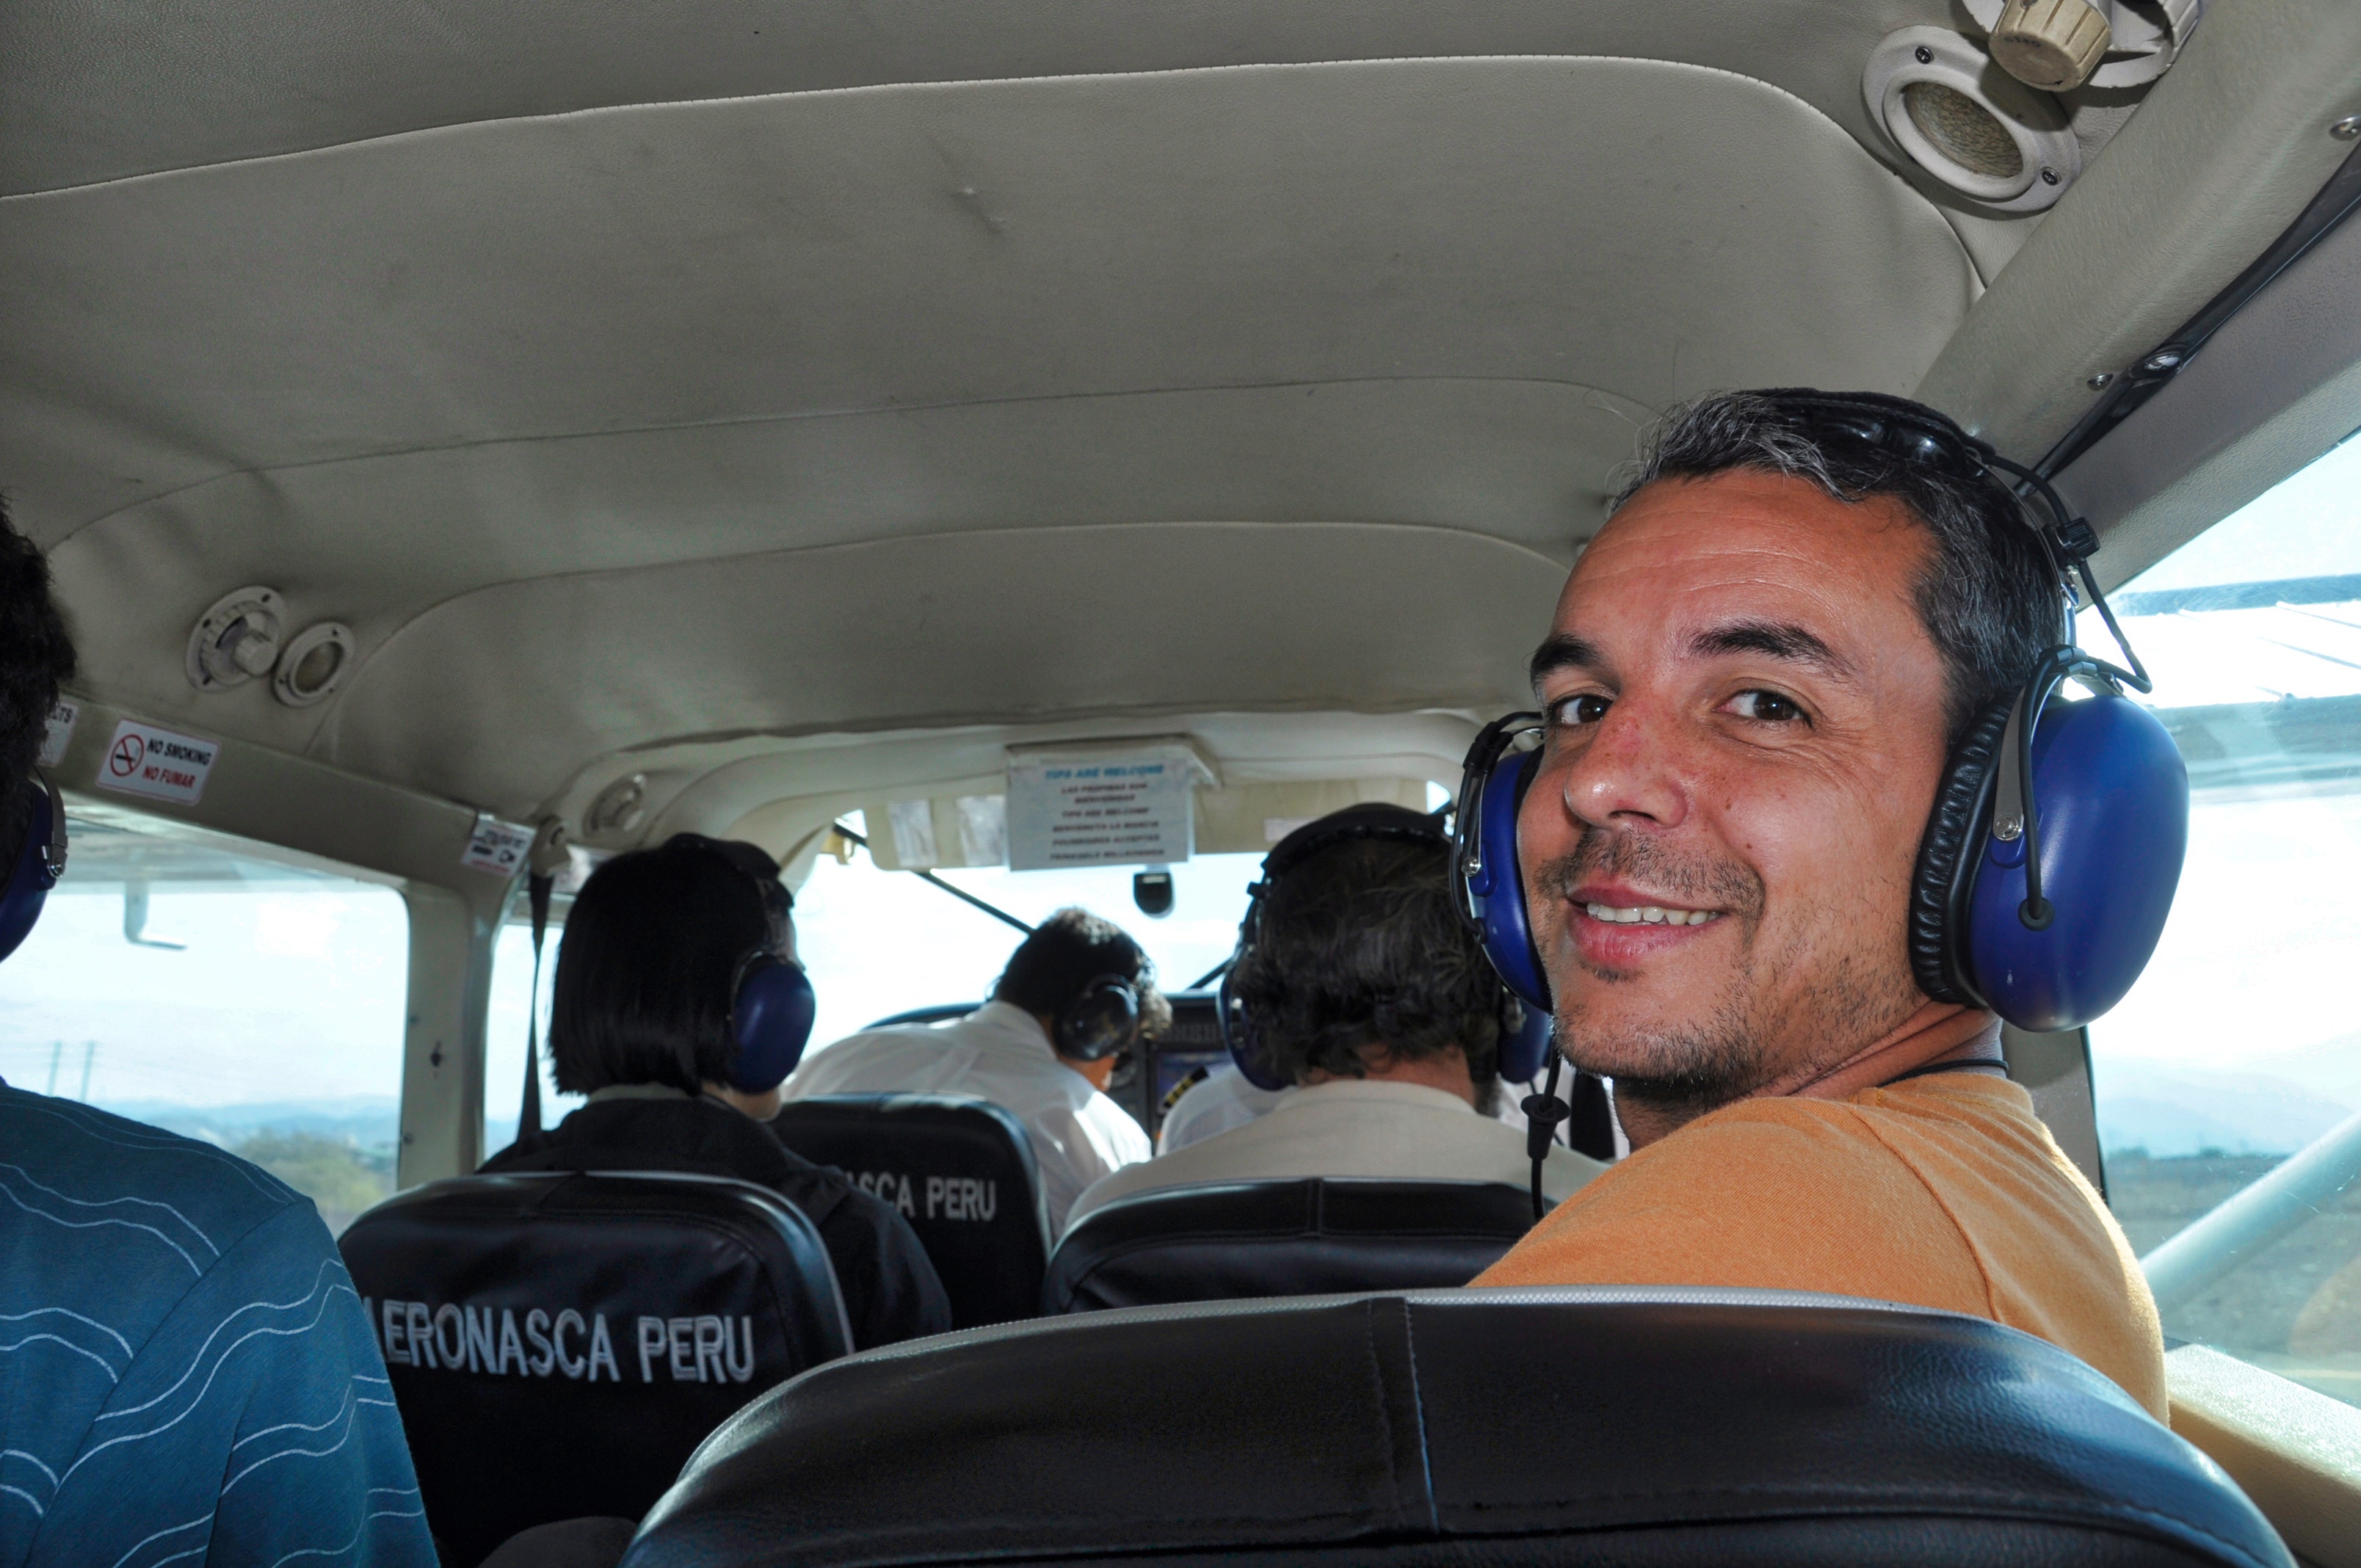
x,y
214,988
2237,1061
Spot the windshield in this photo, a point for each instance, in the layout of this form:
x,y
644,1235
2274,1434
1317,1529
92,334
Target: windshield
x,y
880,942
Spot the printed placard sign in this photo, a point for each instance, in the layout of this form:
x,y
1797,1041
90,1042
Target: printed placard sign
x,y
496,846
162,765
1112,810
58,735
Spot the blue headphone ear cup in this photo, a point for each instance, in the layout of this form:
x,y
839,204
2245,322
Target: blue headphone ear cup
x,y
29,877
1507,930
1524,1052
772,1019
1239,1036
2113,796
1937,889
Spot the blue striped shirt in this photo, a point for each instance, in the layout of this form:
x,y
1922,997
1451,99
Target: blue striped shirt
x,y
185,1373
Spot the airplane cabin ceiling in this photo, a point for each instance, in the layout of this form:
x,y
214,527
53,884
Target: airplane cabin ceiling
x,y
626,378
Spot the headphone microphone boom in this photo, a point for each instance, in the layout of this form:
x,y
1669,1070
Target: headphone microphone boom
x,y
2055,845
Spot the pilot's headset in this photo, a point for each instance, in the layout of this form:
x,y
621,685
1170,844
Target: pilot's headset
x,y
40,861
1525,1030
1102,1020
2055,845
771,1002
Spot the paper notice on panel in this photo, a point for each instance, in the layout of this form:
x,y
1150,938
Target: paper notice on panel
x,y
1111,809
912,823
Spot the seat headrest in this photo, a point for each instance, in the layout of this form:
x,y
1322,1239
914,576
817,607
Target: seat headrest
x,y
1232,1241
559,1343
960,1169
1535,1425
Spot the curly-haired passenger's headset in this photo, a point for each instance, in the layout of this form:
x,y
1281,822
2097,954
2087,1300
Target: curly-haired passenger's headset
x,y
2055,845
40,861
1525,1030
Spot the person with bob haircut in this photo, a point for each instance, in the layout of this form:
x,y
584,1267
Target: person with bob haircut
x,y
647,975
1366,993
1032,1050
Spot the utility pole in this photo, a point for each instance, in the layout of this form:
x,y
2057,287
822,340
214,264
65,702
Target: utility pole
x,y
57,1049
89,1052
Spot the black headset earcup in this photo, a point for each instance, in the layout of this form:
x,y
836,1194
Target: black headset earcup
x,y
1100,1020
1935,894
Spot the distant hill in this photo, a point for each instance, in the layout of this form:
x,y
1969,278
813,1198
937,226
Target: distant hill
x,y
369,1120
2171,1110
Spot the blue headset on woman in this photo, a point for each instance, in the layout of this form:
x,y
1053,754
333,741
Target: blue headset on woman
x,y
2049,862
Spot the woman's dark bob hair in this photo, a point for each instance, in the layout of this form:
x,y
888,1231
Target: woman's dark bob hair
x,y
652,952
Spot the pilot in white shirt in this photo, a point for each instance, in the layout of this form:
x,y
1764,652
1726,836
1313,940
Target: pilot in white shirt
x,y
1358,983
1076,994
1212,1105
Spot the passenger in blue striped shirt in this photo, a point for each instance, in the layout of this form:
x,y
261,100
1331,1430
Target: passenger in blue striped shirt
x,y
185,1373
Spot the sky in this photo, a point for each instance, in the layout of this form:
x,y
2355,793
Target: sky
x,y
292,995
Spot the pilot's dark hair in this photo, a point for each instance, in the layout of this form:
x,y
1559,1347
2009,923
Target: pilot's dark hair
x,y
1069,950
1988,596
650,956
36,657
1359,946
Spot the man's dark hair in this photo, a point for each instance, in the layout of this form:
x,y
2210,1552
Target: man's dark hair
x,y
646,970
36,657
1069,950
1358,946
1988,596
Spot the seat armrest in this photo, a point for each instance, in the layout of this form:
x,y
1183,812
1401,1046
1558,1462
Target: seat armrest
x,y
2297,1452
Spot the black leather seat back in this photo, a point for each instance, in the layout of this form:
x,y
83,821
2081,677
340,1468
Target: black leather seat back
x,y
1551,1426
558,1344
1303,1238
960,1169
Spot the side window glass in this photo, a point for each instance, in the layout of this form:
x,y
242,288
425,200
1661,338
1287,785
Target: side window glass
x,y
2228,1081
504,1033
203,986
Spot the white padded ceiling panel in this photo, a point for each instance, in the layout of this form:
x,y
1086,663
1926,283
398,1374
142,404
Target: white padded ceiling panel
x,y
996,627
91,92
385,375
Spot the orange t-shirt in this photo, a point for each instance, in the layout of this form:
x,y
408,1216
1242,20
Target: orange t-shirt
x,y
1941,1191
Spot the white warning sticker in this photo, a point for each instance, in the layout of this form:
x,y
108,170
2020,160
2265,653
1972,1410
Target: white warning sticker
x,y
496,846
59,733
162,765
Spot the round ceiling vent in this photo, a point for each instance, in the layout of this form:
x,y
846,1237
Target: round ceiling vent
x,y
2105,43
236,640
1981,132
314,665
620,808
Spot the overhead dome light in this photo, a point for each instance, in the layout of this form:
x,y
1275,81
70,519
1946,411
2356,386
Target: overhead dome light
x,y
236,639
314,665
2110,43
1984,135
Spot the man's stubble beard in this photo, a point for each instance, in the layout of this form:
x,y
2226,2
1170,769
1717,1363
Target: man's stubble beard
x,y
1682,1069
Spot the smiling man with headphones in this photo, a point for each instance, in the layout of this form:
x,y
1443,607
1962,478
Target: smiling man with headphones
x,y
1076,994
1806,819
